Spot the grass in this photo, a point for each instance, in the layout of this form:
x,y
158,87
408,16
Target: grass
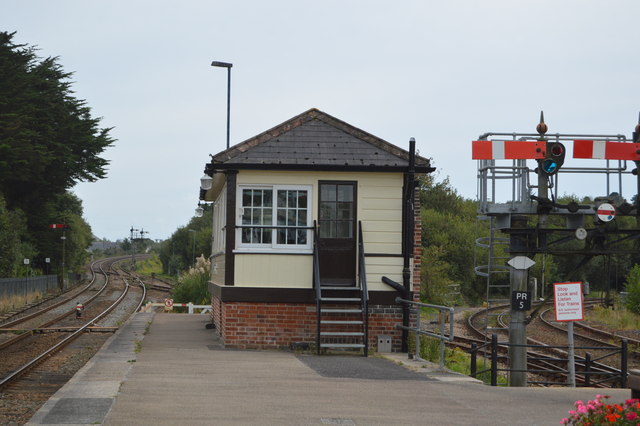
x,y
8,304
619,318
150,266
456,359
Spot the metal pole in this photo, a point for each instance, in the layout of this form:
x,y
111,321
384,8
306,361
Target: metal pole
x,y
494,360
417,353
517,323
624,361
474,358
194,247
228,66
442,313
571,362
228,102
587,370
64,239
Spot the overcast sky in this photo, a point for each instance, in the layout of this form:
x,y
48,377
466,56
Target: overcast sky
x,y
443,72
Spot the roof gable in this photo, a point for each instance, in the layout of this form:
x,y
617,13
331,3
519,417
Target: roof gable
x,y
315,138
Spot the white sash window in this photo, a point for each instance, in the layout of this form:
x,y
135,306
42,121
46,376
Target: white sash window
x,y
274,218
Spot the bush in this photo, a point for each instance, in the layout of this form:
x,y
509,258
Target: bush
x,y
632,286
192,285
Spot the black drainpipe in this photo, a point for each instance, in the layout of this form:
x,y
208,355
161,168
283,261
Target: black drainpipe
x,y
408,220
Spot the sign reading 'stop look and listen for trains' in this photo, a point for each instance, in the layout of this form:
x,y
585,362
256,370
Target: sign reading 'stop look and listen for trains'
x,y
568,301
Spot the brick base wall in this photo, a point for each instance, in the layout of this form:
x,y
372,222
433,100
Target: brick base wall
x,y
245,325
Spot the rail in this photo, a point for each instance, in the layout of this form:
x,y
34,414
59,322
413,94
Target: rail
x,y
362,276
444,310
591,372
65,341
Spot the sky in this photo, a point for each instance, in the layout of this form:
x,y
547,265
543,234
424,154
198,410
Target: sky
x,y
443,72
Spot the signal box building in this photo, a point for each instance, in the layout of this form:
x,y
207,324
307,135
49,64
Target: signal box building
x,y
308,217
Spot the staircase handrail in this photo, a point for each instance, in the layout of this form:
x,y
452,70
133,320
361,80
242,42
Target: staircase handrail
x,y
316,283
362,274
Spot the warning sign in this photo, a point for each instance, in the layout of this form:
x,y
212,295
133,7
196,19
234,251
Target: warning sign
x,y
568,301
606,212
168,303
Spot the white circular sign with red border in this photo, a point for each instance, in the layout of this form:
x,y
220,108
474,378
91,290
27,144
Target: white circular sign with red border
x,y
606,212
168,303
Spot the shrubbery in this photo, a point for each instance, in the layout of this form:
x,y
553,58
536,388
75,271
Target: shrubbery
x,y
632,286
192,285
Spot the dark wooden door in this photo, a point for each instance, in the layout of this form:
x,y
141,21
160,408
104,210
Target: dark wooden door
x,y
337,233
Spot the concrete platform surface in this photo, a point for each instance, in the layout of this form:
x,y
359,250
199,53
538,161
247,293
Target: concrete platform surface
x,y
168,369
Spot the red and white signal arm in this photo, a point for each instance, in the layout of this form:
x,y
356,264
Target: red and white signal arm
x,y
168,303
57,226
606,150
508,150
606,212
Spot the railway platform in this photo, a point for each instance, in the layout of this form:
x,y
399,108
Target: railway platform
x,y
168,369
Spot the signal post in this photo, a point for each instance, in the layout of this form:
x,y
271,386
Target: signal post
x,y
528,239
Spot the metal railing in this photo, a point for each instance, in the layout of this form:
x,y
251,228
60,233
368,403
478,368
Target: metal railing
x,y
588,370
24,286
362,275
316,284
444,311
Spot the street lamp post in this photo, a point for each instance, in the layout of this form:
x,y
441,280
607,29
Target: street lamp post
x,y
228,66
194,247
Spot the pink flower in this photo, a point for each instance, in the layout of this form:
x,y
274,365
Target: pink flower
x,y
632,415
564,421
582,409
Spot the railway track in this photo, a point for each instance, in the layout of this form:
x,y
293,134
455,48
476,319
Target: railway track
x,y
43,349
548,360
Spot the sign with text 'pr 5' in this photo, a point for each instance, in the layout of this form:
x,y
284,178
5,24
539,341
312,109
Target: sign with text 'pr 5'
x,y
568,301
520,300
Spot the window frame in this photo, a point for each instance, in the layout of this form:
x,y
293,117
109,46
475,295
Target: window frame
x,y
273,247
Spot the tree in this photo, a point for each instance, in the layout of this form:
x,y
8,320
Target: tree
x,y
448,239
9,241
48,142
177,252
632,286
48,139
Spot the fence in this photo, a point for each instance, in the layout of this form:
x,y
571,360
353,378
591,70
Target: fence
x,y
446,313
588,369
24,286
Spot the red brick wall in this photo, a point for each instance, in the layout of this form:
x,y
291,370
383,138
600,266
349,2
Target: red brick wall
x,y
278,325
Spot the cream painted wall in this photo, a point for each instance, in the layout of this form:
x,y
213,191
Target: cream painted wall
x,y
267,270
379,207
217,269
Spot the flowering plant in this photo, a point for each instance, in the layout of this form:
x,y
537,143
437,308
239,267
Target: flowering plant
x,y
597,412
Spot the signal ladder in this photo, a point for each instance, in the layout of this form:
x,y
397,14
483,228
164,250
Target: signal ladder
x,y
495,266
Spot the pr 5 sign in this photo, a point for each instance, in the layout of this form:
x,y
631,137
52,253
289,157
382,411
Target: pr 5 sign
x,y
520,300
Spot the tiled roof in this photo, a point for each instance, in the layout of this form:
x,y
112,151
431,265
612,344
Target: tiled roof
x,y
315,138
